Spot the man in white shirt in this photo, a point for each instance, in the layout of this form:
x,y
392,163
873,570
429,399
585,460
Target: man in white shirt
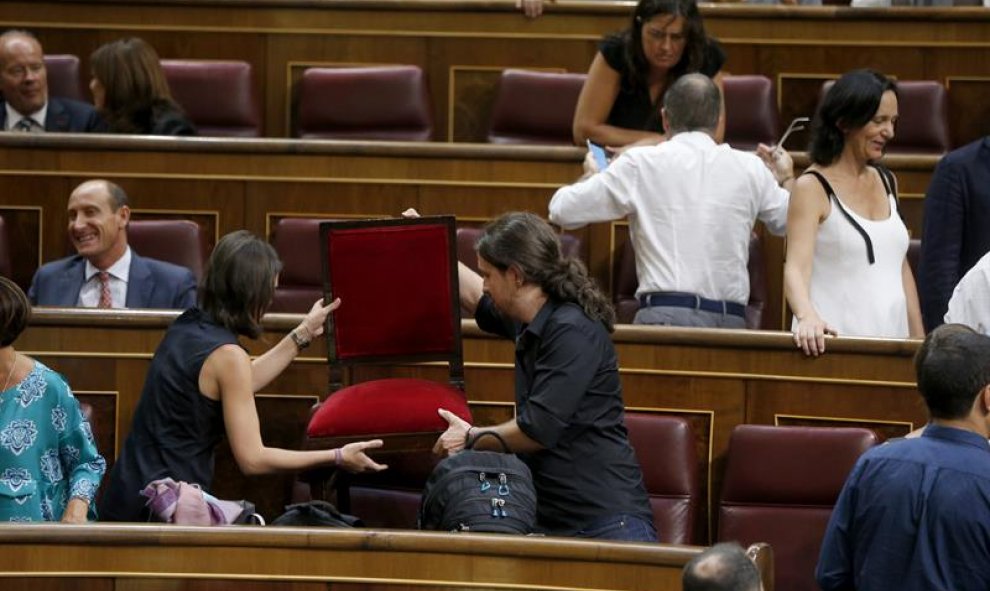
x,y
970,302
25,106
105,272
691,205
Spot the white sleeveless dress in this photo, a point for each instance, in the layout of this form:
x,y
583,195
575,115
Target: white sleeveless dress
x,y
855,297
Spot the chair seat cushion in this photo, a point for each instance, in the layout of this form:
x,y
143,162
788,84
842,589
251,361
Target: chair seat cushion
x,y
393,405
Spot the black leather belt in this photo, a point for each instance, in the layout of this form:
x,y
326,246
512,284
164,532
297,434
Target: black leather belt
x,y
690,300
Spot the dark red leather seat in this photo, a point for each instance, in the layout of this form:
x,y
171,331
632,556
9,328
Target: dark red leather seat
x,y
751,114
780,486
297,242
63,77
382,103
665,448
218,96
174,241
535,108
625,283
923,117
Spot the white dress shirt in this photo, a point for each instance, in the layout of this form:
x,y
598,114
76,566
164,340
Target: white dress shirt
x,y
970,302
89,295
691,205
14,117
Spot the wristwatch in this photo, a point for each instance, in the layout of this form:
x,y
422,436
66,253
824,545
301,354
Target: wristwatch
x,y
298,340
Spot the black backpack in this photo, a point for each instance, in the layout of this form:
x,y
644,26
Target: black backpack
x,y
480,491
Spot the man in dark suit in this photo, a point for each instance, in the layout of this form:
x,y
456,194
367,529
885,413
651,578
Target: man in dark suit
x,y
957,226
105,272
24,85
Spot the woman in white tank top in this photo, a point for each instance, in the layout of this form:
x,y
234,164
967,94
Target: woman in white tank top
x,y
846,270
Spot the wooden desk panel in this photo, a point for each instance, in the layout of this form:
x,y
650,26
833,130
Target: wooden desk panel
x,y
463,46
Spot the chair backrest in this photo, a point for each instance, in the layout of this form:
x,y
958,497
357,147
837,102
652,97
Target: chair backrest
x,y
218,96
401,277
780,486
63,77
751,114
665,448
923,117
535,108
297,242
174,241
380,103
625,283
6,266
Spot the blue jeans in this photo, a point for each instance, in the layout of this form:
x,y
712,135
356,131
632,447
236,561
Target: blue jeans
x,y
621,527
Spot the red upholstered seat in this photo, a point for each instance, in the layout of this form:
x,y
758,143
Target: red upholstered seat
x,y
665,448
297,242
625,284
535,108
218,96
174,241
780,486
381,103
751,115
63,77
923,117
397,280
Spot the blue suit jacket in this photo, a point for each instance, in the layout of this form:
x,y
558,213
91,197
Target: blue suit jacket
x,y
956,227
151,284
65,115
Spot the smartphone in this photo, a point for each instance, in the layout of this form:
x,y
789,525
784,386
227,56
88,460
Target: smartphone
x,y
598,152
797,125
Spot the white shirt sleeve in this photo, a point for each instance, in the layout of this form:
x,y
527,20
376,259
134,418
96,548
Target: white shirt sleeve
x,y
599,198
970,302
773,204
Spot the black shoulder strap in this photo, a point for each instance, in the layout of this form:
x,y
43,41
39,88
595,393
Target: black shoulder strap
x,y
832,198
889,187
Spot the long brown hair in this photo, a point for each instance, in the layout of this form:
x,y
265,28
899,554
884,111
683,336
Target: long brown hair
x,y
132,79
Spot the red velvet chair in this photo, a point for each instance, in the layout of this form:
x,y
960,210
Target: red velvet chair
x,y
665,448
297,242
63,77
780,486
923,117
218,96
381,103
625,283
398,281
751,115
535,108
174,241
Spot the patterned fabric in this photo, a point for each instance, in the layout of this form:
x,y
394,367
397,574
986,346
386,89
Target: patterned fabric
x,y
106,301
47,452
28,125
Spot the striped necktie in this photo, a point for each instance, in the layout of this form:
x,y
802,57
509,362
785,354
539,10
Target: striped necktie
x,y
27,125
105,300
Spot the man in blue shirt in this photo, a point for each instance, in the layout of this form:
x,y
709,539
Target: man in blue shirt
x,y
915,513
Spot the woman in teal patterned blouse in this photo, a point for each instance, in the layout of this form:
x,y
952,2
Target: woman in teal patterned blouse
x,y
49,465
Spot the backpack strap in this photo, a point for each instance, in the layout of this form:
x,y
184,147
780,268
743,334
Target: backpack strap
x,y
838,204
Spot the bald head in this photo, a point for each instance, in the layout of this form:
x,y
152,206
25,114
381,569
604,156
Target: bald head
x,y
23,78
692,103
723,567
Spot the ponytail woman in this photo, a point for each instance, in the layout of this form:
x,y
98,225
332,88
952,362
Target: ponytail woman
x,y
569,425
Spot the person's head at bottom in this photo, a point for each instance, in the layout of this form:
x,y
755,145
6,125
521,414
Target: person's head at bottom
x,y
723,567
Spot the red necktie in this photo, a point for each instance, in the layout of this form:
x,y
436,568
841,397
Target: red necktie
x,y
105,300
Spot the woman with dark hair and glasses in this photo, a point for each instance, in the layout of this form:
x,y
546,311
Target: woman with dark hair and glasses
x,y
569,426
846,270
201,386
620,101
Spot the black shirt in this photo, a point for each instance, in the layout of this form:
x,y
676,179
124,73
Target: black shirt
x,y
633,108
569,399
175,427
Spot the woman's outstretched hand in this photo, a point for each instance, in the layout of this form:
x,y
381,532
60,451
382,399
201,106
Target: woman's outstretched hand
x,y
353,457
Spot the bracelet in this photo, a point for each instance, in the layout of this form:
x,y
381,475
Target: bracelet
x,y
467,436
338,457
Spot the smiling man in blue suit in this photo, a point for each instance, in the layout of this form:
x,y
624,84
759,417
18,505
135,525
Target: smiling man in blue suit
x,y
105,272
24,84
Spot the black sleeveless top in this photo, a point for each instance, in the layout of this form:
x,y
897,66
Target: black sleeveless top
x,y
175,427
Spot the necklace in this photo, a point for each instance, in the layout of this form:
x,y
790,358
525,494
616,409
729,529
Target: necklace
x,y
9,374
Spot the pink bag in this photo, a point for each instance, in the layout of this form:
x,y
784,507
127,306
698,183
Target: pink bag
x,y
183,503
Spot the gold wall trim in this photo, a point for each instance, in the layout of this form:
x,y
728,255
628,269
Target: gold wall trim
x,y
285,179
765,377
89,355
778,416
